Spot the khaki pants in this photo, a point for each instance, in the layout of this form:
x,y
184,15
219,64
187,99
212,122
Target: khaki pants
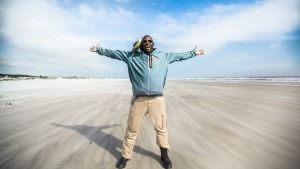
x,y
140,106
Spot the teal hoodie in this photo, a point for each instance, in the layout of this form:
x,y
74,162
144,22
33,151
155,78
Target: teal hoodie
x,y
146,78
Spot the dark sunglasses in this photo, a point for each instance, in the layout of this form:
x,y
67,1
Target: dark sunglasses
x,y
145,41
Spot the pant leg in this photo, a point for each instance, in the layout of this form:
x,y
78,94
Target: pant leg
x,y
157,112
138,109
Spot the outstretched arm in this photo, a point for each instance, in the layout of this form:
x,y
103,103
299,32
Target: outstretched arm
x,y
114,54
173,57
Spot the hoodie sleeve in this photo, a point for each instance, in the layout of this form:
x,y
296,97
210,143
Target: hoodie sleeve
x,y
114,54
176,57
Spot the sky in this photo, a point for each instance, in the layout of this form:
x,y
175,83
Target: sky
x,y
241,38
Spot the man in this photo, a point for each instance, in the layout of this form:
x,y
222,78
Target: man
x,y
147,70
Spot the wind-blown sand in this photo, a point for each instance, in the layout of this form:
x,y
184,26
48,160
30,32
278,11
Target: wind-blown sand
x,y
80,124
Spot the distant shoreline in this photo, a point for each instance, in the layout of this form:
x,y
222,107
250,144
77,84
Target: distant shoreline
x,y
251,80
15,77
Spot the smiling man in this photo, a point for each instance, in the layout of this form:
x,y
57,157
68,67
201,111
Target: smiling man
x,y
147,68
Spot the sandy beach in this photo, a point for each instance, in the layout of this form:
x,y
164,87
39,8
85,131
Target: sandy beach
x,y
80,124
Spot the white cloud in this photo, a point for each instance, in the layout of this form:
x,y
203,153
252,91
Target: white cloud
x,y
222,24
45,34
275,45
86,11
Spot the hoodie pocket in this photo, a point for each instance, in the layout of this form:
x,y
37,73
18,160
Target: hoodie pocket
x,y
133,99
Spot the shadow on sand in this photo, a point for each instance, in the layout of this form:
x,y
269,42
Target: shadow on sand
x,y
108,142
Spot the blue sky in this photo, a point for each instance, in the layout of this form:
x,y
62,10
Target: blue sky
x,y
241,38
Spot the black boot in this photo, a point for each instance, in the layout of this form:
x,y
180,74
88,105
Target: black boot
x,y
121,163
165,158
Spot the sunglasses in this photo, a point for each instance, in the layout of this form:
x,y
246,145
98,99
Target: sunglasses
x,y
145,41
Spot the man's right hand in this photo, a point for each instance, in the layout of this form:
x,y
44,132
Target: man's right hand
x,y
94,48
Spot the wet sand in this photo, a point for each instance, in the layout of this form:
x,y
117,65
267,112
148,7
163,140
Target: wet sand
x,y
80,124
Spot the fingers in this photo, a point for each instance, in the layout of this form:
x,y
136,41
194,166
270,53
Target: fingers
x,y
94,48
200,52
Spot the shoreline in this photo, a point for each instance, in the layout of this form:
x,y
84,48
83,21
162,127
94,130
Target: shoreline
x,y
269,81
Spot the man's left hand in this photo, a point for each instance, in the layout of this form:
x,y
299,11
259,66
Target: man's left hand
x,y
199,52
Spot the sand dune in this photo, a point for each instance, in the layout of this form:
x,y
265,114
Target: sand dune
x,y
80,124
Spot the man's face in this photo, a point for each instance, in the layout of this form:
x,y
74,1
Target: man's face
x,y
147,44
